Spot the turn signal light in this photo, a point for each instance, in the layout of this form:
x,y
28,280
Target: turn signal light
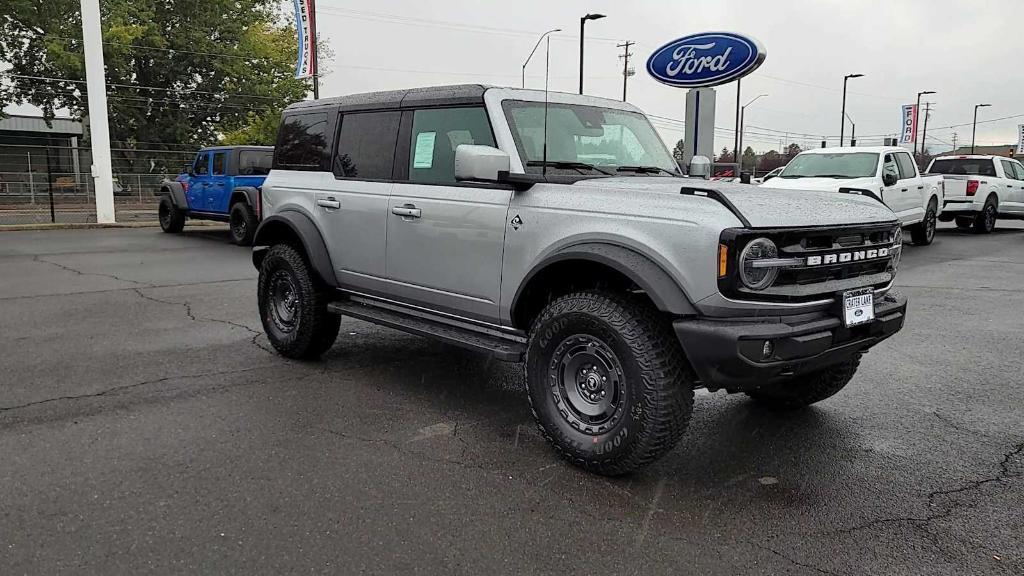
x,y
723,260
972,187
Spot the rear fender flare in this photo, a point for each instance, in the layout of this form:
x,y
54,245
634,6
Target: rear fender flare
x,y
176,192
250,193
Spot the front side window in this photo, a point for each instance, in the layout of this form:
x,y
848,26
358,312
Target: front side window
x,y
436,133
906,165
202,165
838,165
218,163
1008,169
255,162
1018,170
366,145
608,140
302,142
890,167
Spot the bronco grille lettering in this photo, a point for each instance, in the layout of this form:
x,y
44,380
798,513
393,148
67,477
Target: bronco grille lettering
x,y
843,257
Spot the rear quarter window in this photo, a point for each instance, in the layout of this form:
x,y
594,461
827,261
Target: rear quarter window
x,y
255,162
302,142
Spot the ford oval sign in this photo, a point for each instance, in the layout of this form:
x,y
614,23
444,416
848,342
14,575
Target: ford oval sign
x,y
707,59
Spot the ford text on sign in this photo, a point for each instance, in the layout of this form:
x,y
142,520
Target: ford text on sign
x,y
707,59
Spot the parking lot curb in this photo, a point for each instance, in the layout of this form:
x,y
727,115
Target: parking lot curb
x,y
90,225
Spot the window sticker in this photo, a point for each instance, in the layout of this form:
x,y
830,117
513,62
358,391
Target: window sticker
x,y
424,157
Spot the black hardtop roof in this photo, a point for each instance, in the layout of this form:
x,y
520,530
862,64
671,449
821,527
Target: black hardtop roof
x,y
207,148
428,96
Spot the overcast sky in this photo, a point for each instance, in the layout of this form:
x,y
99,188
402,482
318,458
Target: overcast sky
x,y
964,50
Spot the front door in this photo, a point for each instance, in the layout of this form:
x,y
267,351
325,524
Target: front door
x,y
911,189
445,238
197,184
216,193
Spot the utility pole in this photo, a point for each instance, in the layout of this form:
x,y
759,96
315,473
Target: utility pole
x,y
99,127
626,71
924,134
954,142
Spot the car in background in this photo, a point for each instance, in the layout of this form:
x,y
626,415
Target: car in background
x,y
772,174
886,173
980,189
222,184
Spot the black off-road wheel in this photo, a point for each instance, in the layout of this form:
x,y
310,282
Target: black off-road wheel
x,y
923,233
608,383
964,222
985,221
807,389
242,221
293,305
172,220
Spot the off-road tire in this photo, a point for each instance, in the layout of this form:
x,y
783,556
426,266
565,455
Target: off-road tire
x,y
172,220
923,233
654,381
242,221
807,389
985,221
312,329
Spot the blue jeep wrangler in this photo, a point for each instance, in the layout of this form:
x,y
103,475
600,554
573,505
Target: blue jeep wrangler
x,y
223,184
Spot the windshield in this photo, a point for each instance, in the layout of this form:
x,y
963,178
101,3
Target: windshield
x,y
964,166
612,141
839,165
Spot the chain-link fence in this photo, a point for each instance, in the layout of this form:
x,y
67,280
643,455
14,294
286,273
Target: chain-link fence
x,y
46,183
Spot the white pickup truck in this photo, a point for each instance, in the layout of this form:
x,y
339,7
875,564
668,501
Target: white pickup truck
x,y
886,172
979,189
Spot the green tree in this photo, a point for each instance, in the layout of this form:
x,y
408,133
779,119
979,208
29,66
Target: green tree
x,y
792,150
178,71
677,152
725,156
749,159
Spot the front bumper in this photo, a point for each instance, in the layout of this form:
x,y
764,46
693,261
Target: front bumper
x,y
726,353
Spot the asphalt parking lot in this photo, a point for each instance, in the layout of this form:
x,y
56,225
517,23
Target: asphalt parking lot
x,y
145,426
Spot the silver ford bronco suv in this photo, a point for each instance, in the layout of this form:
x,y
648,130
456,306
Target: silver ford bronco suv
x,y
557,230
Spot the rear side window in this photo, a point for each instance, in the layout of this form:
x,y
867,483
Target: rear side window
x,y
906,164
435,135
964,166
202,164
302,142
366,145
255,162
218,163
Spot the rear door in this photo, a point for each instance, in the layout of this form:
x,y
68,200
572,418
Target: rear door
x,y
200,179
445,238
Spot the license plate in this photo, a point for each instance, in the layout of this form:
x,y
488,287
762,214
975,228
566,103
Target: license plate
x,y
858,306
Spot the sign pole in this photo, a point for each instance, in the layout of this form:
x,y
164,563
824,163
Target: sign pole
x,y
99,128
314,41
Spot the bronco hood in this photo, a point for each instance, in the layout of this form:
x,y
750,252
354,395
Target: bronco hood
x,y
764,207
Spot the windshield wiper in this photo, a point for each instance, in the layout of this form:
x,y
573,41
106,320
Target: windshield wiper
x,y
832,176
791,176
645,170
577,166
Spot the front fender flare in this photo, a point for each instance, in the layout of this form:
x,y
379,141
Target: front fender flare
x,y
667,295
287,226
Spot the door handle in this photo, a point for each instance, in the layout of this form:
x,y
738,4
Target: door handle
x,y
920,187
406,211
903,189
328,203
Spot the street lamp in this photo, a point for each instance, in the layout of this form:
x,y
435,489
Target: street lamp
x,y
918,108
583,22
535,46
842,117
743,110
974,126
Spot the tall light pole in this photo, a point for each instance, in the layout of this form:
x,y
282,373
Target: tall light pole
x,y
535,46
743,110
583,22
918,108
974,126
842,117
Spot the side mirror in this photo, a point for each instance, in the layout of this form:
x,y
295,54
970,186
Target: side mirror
x,y
480,163
700,167
188,170
889,179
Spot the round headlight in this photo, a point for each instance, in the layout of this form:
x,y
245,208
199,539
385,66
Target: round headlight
x,y
753,277
897,248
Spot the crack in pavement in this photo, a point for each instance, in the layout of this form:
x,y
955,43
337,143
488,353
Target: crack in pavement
x,y
41,260
124,387
792,560
923,522
192,316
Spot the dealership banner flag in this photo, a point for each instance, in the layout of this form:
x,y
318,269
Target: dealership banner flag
x,y
305,26
1020,138
908,131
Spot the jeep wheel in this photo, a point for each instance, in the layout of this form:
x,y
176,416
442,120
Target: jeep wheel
x,y
293,306
172,220
985,221
807,389
608,383
923,232
242,221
